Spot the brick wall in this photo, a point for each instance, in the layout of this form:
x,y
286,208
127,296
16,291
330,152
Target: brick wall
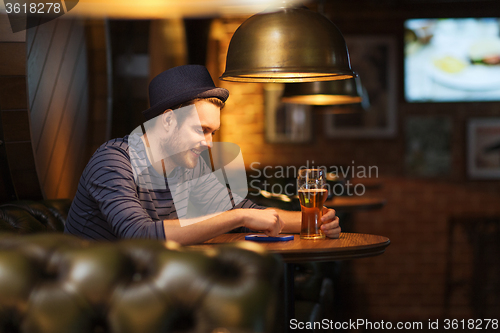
x,y
408,281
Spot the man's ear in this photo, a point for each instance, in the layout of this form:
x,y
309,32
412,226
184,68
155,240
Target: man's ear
x,y
168,119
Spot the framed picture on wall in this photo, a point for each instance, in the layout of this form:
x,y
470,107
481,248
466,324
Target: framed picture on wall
x,y
374,59
285,122
483,148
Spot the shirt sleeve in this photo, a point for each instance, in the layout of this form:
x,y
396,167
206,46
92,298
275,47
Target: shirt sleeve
x,y
247,203
110,182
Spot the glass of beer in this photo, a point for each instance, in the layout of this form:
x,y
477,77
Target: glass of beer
x,y
312,190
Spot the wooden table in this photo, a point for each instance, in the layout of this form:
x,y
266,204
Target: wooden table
x,y
355,203
347,246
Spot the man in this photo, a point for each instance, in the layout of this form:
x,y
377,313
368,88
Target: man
x,y
141,185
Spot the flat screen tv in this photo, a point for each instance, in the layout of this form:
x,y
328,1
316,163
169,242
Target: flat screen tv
x,y
452,60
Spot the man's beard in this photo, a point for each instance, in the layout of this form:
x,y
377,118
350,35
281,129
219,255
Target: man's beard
x,y
170,149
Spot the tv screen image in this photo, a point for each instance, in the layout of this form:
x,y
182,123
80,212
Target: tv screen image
x,y
452,60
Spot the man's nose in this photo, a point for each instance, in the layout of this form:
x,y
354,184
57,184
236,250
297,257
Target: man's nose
x,y
207,142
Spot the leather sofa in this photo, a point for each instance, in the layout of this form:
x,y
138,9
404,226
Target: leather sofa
x,y
26,217
313,285
52,282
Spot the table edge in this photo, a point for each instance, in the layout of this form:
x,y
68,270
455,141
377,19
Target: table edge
x,y
297,256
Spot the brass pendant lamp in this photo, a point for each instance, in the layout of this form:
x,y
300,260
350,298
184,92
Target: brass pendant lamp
x,y
341,92
287,44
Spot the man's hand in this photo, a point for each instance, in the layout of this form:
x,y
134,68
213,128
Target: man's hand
x,y
267,221
331,226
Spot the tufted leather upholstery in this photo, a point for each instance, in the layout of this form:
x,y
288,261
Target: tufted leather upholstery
x,y
313,290
29,216
59,283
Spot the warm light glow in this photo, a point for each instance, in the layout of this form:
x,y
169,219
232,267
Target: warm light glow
x,y
284,77
322,99
166,9
281,197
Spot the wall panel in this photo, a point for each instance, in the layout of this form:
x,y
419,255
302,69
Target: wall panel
x,y
68,141
57,81
43,96
13,58
71,77
38,55
43,109
18,176
73,158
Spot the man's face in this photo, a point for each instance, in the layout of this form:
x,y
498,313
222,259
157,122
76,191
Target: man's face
x,y
194,135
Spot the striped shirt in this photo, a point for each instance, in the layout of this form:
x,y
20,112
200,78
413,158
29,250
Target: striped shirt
x,y
121,196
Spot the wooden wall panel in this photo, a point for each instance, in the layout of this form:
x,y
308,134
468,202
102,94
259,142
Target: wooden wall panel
x,y
13,57
57,81
38,55
6,34
74,159
49,118
13,92
68,139
46,109
30,38
22,169
18,176
16,131
44,103
47,88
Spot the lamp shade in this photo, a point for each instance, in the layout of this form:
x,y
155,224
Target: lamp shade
x,y
347,91
288,45
166,9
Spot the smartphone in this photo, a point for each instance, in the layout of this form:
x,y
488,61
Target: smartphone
x,y
264,238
